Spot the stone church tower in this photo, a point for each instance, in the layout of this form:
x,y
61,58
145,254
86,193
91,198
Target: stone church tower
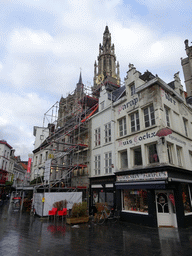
x,y
106,66
70,105
187,70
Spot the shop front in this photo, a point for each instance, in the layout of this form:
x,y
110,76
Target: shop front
x,y
159,196
102,190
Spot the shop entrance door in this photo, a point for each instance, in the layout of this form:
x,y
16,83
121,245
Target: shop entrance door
x,y
165,204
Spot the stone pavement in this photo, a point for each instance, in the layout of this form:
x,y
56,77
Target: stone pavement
x,y
22,234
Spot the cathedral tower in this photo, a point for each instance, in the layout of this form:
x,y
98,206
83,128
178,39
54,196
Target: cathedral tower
x,y
106,66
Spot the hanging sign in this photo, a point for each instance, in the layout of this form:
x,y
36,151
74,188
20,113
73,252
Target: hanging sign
x,y
29,165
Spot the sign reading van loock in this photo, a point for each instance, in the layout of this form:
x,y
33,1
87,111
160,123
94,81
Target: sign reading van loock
x,y
143,176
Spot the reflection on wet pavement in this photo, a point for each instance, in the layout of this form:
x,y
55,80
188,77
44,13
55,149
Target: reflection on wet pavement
x,y
22,234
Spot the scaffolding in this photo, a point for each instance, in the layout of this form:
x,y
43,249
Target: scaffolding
x,y
68,142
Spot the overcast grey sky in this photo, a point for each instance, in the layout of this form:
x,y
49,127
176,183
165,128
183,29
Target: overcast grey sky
x,y
44,43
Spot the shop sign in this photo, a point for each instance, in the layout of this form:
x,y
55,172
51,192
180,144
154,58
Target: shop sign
x,y
143,176
168,97
137,138
131,103
176,139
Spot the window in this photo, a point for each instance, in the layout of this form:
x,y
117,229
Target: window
x,y
40,159
107,132
36,160
135,126
149,116
97,165
190,156
137,156
167,116
124,160
46,155
152,153
176,120
108,162
135,200
185,126
178,149
97,137
41,137
102,105
132,88
122,127
169,153
186,195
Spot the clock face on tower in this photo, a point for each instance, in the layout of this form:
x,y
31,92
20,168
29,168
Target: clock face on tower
x,y
99,78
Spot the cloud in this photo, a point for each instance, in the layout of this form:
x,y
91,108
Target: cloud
x,y
161,5
19,116
39,64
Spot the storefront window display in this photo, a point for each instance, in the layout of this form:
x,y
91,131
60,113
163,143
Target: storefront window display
x,y
101,197
95,197
109,199
135,200
186,195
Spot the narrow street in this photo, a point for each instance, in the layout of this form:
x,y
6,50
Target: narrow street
x,y
22,234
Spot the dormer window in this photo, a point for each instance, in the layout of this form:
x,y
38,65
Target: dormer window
x,y
132,89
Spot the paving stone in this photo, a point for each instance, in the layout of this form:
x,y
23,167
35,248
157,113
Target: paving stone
x,y
25,235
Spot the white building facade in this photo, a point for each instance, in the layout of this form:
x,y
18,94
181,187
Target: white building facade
x,y
103,158
6,164
154,172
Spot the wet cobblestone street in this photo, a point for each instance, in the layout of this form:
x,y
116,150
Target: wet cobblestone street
x,y
22,234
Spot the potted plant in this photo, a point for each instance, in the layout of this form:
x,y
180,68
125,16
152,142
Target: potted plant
x,y
79,214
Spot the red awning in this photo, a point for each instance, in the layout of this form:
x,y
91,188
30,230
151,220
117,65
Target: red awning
x,y
164,132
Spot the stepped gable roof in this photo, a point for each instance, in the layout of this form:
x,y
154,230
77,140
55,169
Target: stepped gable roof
x,y
147,76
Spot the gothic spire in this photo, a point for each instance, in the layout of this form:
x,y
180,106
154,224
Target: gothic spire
x,y
80,85
106,61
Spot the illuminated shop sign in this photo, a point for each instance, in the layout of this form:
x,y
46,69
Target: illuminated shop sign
x,y
143,176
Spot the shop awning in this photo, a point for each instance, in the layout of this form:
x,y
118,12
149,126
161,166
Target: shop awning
x,y
141,185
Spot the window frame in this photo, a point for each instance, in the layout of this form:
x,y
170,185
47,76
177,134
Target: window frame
x,y
179,155
155,154
108,162
107,132
167,116
122,167
190,157
122,127
97,136
97,163
185,123
170,152
134,157
149,114
132,89
135,121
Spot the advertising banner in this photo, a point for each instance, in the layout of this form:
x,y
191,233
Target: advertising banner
x,y
43,203
29,165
